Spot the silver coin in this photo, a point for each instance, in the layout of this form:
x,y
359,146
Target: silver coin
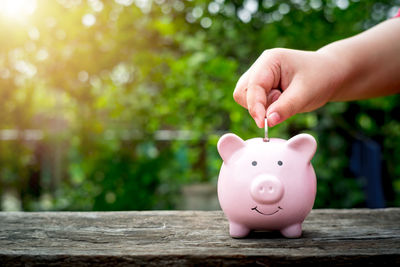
x,y
266,138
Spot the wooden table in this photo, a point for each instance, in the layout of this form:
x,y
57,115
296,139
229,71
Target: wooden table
x,y
158,238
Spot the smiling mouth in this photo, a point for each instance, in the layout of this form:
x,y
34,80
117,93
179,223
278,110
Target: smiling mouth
x,y
255,208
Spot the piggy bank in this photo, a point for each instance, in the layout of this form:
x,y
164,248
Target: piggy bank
x,y
266,185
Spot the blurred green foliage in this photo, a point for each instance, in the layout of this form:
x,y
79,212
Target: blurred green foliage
x,y
114,105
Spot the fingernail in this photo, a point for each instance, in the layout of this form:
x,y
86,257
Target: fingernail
x,y
273,119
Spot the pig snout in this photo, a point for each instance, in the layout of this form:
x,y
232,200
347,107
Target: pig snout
x,y
266,189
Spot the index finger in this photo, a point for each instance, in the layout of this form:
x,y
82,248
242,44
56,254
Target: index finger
x,y
257,103
265,75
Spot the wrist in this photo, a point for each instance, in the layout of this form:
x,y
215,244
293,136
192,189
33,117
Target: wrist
x,y
341,70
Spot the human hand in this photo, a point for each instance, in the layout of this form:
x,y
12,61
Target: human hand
x,y
284,82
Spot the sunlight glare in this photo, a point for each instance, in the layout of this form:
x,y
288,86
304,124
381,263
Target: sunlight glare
x,y
17,9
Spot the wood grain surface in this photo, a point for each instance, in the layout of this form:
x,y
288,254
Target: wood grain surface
x,y
195,238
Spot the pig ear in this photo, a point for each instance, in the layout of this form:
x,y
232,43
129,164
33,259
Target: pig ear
x,y
228,144
304,144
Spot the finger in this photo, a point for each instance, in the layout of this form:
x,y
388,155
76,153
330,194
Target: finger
x,y
285,106
257,102
240,92
259,108
262,79
266,71
273,95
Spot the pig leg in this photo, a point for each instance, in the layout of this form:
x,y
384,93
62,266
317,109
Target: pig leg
x,y
238,230
292,231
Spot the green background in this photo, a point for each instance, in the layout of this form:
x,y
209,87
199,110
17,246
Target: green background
x,y
116,105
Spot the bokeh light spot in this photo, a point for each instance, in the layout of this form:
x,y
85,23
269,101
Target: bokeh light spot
x,y
206,22
83,76
124,2
244,15
88,20
251,6
197,12
34,33
284,8
213,8
342,4
315,4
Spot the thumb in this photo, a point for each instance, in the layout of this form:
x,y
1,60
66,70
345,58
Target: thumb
x,y
288,104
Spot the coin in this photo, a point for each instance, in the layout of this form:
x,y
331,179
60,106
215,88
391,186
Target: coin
x,y
266,138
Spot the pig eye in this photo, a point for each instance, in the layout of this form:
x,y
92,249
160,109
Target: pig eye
x,y
280,163
254,163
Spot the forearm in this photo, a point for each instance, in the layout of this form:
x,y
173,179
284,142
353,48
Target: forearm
x,y
370,62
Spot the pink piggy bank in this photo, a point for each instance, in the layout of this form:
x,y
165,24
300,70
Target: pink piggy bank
x,y
266,185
